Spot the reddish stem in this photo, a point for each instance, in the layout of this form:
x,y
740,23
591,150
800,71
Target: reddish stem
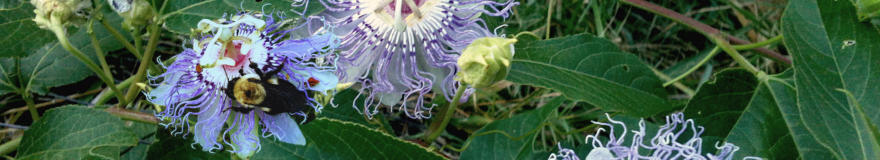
x,y
703,28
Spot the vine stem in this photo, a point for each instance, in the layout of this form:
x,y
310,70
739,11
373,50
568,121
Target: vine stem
x,y
105,67
734,54
59,31
121,39
103,97
145,62
702,28
770,41
549,16
447,115
28,98
597,19
688,91
10,146
132,115
695,67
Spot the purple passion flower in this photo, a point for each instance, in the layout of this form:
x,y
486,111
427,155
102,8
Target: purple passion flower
x,y
679,138
403,49
192,88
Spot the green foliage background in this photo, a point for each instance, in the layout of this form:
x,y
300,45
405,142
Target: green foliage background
x,y
575,62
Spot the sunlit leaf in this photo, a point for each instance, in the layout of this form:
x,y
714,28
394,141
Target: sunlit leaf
x,y
76,132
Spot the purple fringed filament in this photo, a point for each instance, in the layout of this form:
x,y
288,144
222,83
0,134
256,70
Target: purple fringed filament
x,y
192,88
405,49
679,138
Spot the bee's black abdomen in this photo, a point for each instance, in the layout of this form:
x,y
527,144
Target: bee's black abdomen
x,y
285,98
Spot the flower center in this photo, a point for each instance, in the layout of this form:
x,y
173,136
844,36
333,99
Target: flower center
x,y
405,10
233,50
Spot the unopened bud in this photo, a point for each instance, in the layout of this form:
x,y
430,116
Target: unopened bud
x,y
65,11
485,61
134,12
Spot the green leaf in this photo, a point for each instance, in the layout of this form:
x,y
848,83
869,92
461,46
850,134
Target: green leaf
x,y
346,110
831,50
719,102
510,138
146,133
180,147
75,132
781,87
335,139
184,15
51,65
761,129
593,70
21,36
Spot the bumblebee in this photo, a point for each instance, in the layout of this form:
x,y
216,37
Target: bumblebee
x,y
265,92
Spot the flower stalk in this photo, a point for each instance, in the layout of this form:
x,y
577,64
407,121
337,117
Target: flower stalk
x,y
28,98
57,28
447,115
103,61
145,62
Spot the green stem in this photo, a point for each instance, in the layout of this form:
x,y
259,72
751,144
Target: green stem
x,y
450,110
695,67
136,37
132,115
10,146
121,39
770,41
597,19
28,99
58,29
549,15
742,61
105,67
682,87
145,62
104,97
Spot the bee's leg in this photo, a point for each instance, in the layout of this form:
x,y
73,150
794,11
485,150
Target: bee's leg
x,y
275,71
256,69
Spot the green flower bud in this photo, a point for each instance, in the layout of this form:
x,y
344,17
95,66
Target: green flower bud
x,y
485,61
134,12
64,12
867,9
